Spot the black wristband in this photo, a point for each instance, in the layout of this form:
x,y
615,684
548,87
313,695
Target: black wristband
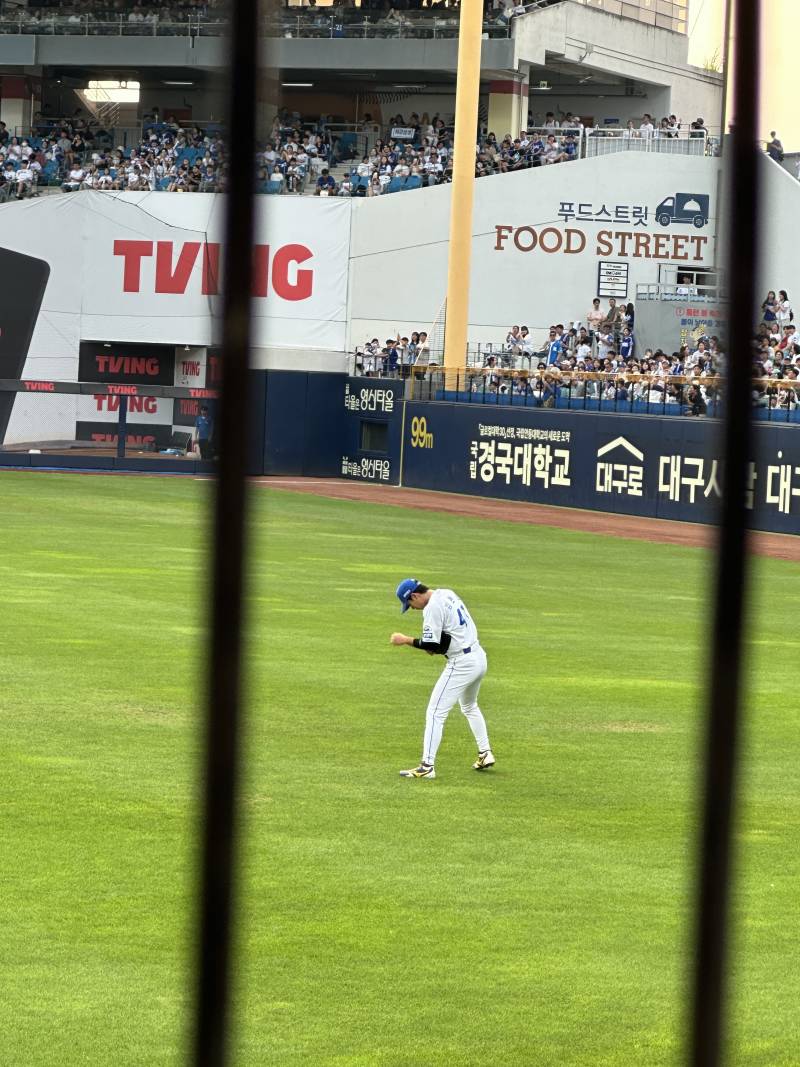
x,y
416,643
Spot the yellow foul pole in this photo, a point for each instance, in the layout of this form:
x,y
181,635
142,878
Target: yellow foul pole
x,y
468,81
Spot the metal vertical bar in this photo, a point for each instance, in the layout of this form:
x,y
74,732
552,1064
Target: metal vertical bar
x,y
724,701
122,427
222,737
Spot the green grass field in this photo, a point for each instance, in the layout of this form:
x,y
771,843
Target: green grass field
x,y
539,914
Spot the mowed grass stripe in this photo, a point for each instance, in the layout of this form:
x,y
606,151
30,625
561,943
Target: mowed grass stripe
x,y
537,914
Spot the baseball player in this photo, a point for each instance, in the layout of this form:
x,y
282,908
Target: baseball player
x,y
447,629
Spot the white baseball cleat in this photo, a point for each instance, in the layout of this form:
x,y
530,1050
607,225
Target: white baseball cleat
x,y
423,771
484,760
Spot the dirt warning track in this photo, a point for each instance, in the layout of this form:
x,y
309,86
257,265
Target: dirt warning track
x,y
664,531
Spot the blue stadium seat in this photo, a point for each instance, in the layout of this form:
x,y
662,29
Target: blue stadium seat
x,y
413,181
395,185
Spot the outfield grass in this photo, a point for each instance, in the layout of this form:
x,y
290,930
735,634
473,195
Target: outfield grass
x,y
538,914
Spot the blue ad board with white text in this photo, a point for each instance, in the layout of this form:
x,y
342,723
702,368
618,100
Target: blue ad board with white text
x,y
662,468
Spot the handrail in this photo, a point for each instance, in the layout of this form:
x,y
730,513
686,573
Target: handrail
x,y
669,291
297,23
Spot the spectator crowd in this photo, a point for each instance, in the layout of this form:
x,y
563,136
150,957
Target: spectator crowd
x,y
76,153
406,153
599,359
37,16
416,151
423,156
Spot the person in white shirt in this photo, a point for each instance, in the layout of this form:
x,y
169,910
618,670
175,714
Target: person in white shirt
x,y
605,345
647,129
783,310
372,356
73,179
448,630
583,351
552,151
572,123
24,179
685,288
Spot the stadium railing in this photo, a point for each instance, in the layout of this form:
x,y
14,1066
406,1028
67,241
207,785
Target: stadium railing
x,y
683,142
680,291
301,23
89,26
98,419
774,399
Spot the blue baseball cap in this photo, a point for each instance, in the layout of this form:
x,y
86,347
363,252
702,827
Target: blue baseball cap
x,y
404,591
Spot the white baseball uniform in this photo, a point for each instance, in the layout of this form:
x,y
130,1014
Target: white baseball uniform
x,y
463,673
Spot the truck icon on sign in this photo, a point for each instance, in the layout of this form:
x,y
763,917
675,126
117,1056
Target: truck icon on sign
x,y
683,207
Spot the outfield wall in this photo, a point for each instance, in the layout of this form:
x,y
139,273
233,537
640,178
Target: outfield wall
x,y
665,468
143,269
327,425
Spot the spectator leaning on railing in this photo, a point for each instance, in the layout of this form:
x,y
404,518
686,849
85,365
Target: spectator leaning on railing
x,y
569,368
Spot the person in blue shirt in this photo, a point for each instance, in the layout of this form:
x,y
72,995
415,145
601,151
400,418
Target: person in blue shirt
x,y
391,357
555,347
536,152
203,432
548,392
627,344
325,183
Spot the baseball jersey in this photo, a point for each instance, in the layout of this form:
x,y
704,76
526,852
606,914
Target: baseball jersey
x,y
445,614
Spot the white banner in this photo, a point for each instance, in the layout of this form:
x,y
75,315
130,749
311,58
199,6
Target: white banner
x,y
159,278
146,267
538,238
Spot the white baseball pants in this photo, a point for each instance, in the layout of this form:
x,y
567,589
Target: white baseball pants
x,y
459,681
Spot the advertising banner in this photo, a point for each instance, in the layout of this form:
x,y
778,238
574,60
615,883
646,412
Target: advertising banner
x,y
146,269
138,435
162,276
373,417
111,361
664,468
543,240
